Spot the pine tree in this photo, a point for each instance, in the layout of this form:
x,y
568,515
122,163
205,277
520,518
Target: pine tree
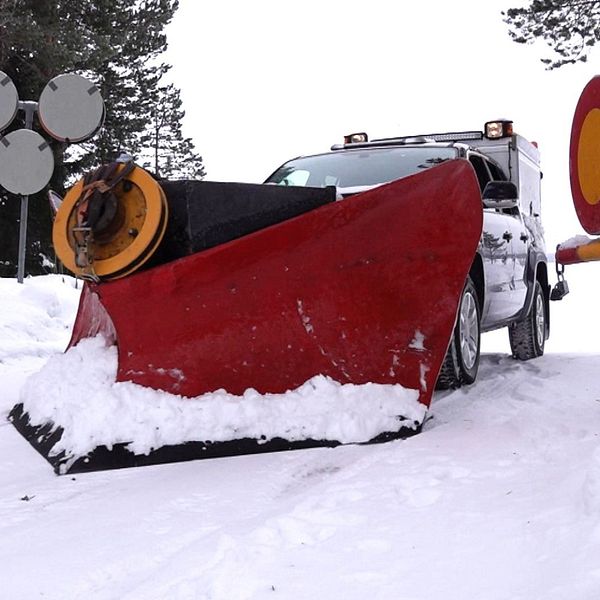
x,y
167,153
31,55
570,27
115,43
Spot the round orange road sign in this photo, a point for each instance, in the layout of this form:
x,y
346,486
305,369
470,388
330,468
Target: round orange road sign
x,y
584,157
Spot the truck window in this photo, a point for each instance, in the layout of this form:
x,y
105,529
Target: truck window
x,y
487,171
360,167
483,175
496,171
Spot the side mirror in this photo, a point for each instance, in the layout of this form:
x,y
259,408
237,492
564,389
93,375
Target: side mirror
x,y
500,194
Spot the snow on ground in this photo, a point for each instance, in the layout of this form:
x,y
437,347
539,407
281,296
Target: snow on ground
x,y
498,498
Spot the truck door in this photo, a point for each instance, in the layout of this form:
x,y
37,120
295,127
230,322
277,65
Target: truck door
x,y
520,244
497,253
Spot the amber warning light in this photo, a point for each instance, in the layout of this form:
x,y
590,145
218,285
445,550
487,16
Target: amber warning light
x,y
356,138
498,129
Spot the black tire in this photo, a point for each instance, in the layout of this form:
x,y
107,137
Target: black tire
x,y
527,337
461,363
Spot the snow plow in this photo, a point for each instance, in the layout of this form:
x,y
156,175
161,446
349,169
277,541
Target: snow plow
x,y
584,158
205,286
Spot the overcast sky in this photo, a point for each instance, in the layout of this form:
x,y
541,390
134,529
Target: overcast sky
x,y
265,81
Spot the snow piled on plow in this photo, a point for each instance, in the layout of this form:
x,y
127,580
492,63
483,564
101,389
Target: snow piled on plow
x,y
77,392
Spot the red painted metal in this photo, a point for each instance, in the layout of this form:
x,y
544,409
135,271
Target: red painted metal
x,y
586,251
588,214
92,319
567,256
347,290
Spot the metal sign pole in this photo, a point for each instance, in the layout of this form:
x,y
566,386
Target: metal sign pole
x,y
29,108
22,237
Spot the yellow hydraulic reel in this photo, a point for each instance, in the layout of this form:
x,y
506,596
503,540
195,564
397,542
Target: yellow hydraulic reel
x,y
110,222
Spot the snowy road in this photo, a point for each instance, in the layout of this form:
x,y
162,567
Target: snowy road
x,y
498,498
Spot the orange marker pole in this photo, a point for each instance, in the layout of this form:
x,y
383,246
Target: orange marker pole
x,y
585,252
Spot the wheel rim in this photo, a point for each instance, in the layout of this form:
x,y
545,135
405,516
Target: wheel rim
x,y
469,330
539,320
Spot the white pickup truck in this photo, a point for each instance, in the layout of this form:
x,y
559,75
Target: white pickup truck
x,y
508,281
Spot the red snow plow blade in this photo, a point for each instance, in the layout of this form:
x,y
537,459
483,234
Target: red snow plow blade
x,y
365,289
361,290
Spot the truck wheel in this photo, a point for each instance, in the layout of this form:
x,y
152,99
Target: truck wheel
x,y
527,337
462,358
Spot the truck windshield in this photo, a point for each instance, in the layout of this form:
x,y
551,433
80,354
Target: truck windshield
x,y
360,167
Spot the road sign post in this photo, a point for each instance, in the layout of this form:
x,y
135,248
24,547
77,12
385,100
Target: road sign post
x,y
70,110
29,108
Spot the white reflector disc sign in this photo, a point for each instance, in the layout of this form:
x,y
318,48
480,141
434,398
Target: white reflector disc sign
x,y
9,100
26,162
71,108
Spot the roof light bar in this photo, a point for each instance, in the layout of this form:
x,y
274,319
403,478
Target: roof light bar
x,y
493,130
456,136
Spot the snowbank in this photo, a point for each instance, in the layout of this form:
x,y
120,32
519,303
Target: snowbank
x,y
37,315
